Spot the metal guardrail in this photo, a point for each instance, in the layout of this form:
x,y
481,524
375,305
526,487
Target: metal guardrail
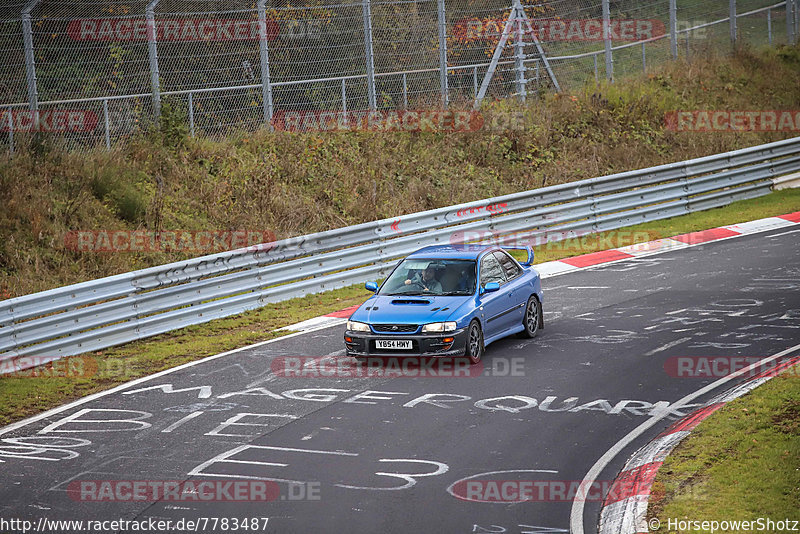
x,y
110,311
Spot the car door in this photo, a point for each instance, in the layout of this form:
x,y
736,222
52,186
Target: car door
x,y
492,305
515,288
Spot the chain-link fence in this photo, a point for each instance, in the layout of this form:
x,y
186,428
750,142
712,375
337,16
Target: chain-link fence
x,y
94,71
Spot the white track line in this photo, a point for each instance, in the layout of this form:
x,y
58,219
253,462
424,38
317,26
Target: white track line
x,y
576,514
783,233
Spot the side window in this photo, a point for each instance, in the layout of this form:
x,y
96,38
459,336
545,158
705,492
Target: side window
x,y
491,271
510,267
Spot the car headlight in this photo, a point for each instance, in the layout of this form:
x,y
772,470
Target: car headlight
x,y
355,326
439,327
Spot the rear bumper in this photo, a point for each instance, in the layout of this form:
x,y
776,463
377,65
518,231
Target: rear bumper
x,y
362,344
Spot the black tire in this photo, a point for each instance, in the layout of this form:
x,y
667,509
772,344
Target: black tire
x,y
532,320
475,346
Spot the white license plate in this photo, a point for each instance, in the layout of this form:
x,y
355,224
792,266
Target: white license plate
x,y
393,344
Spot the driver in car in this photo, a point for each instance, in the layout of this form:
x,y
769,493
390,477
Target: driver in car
x,y
427,280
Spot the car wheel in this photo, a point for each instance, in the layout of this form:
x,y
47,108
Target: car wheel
x,y
474,342
533,317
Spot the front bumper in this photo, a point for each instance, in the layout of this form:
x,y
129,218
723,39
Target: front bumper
x,y
362,344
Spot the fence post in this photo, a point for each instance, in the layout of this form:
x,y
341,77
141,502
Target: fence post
x,y
673,28
191,114
644,60
475,81
405,91
443,54
11,129
769,25
344,96
152,54
263,48
790,37
107,125
367,14
519,59
732,16
30,61
607,40
596,75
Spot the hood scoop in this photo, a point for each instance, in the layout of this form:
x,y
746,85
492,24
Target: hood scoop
x,y
411,301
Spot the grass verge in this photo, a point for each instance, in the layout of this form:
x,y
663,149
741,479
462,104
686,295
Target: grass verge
x,y
740,464
44,388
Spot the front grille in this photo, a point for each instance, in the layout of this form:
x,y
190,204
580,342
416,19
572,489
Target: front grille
x,y
395,328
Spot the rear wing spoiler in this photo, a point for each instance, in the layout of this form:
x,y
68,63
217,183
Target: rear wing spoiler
x,y
529,250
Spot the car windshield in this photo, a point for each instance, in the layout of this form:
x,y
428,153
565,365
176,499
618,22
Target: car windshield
x,y
431,277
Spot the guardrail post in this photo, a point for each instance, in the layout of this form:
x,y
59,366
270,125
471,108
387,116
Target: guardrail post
x,y
152,54
107,125
673,28
11,129
732,16
370,63
607,40
263,48
191,114
30,62
443,54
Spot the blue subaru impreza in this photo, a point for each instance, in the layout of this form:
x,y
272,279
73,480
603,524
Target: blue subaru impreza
x,y
447,301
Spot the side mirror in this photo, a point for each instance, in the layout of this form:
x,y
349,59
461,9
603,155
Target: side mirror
x,y
491,286
528,262
371,286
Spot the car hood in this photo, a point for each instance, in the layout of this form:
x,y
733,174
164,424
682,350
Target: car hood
x,y
403,309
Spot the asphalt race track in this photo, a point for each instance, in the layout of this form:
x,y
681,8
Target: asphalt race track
x,y
378,454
